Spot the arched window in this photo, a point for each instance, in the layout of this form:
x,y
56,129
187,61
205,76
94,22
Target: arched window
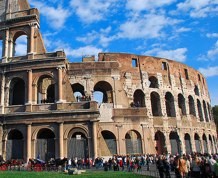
x,y
181,103
1,47
133,142
196,90
20,45
175,143
200,114
17,92
153,82
205,143
191,104
139,98
197,143
209,111
205,112
160,142
170,107
78,91
109,142
45,90
106,89
188,147
155,104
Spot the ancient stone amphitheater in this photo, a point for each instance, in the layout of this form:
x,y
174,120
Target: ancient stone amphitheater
x,y
49,110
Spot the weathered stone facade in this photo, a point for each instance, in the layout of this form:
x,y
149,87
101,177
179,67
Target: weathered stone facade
x,y
150,105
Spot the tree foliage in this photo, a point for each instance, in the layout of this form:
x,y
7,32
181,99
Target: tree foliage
x,y
215,114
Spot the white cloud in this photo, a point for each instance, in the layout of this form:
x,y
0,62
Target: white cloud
x,y
150,26
56,16
212,35
21,46
183,29
176,54
92,10
140,5
82,51
212,54
199,8
210,71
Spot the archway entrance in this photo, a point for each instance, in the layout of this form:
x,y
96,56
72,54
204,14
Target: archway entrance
x,y
197,143
45,144
160,143
133,142
205,143
15,145
175,143
109,144
188,147
78,144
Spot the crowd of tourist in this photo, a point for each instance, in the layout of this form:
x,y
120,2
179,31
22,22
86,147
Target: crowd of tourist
x,y
185,166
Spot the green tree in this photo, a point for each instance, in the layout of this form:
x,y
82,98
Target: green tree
x,y
215,113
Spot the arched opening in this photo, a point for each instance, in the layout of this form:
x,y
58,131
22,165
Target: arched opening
x,y
205,143
133,142
106,90
209,111
153,82
45,90
197,143
215,143
170,107
108,143
78,144
98,96
196,90
188,147
20,45
205,112
1,47
15,145
200,114
139,99
78,91
181,103
160,143
191,104
175,143
17,92
211,144
45,144
155,104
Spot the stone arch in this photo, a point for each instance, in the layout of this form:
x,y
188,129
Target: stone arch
x,y
211,144
78,91
108,143
139,98
133,142
155,104
20,47
46,89
106,89
77,145
188,146
209,111
175,143
181,103
170,106
160,142
15,145
205,111
17,91
196,90
191,104
153,82
205,144
45,144
200,113
197,143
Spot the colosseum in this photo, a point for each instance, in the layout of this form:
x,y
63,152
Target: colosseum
x,y
50,109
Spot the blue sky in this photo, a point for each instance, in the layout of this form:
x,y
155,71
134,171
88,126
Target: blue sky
x,y
185,31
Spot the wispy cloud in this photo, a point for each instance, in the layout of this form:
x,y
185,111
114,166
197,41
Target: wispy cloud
x,y
56,16
90,11
140,5
209,71
211,54
212,35
199,8
176,54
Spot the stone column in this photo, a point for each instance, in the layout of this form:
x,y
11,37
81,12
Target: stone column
x,y
94,138
167,141
193,141
29,87
202,145
5,46
31,39
29,148
61,141
2,93
59,84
